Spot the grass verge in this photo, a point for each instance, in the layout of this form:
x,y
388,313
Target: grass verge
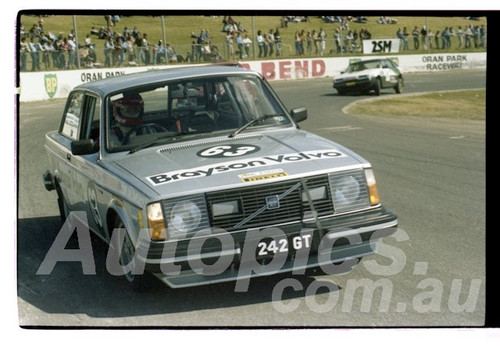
x,y
464,104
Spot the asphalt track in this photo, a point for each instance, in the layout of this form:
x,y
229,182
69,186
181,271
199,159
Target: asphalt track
x,y
431,172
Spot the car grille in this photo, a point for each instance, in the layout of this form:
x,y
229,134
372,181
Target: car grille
x,y
255,210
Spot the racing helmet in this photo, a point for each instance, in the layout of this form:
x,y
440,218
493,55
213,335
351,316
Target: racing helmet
x,y
128,110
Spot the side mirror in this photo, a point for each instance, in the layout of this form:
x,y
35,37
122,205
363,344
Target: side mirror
x,y
83,147
299,114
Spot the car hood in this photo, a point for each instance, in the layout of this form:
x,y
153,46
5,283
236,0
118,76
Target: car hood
x,y
220,163
355,75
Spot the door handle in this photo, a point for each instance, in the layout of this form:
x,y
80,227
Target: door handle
x,y
68,156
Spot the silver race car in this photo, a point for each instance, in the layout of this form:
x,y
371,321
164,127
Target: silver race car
x,y
200,175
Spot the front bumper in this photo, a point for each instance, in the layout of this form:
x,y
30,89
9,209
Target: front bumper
x,y
333,240
355,85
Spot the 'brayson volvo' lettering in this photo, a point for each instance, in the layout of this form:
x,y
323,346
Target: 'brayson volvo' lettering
x,y
207,171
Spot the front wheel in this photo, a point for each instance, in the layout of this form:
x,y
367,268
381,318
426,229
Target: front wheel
x,y
377,87
138,282
399,86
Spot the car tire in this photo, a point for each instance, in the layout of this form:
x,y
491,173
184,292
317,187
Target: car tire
x,y
399,86
137,282
62,205
377,87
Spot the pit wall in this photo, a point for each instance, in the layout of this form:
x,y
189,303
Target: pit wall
x,y
37,86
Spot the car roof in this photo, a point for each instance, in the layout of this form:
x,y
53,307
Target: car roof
x,y
371,60
116,84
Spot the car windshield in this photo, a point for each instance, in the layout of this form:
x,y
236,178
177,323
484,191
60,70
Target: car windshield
x,y
360,66
182,110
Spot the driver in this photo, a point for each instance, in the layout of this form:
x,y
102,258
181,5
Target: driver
x,y
127,117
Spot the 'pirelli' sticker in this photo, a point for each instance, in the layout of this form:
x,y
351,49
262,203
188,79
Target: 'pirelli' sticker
x,y
243,164
262,175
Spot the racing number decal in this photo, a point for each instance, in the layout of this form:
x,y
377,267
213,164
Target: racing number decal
x,y
94,208
226,151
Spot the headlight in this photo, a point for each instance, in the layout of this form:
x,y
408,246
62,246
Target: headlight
x,y
349,190
185,216
346,191
156,222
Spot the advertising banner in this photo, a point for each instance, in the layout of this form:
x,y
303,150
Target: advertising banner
x,y
36,86
378,46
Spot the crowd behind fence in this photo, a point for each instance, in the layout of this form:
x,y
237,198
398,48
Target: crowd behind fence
x,y
44,51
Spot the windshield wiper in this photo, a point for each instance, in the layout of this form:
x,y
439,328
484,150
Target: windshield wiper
x,y
152,142
250,123
160,139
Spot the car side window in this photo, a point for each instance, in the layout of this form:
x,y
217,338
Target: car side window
x,y
92,117
71,124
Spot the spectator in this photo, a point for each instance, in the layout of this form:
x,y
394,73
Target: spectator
x,y
354,41
270,41
284,22
246,44
277,41
88,41
460,37
425,39
108,52
145,49
260,44
204,36
416,34
71,46
364,34
158,53
482,36
322,41
468,36
405,39
308,38
315,41
298,50
444,38
58,56
348,40
428,37
130,54
239,43
399,35
302,40
437,36
476,34
126,32
45,49
118,52
170,53
24,51
229,44
207,51
338,43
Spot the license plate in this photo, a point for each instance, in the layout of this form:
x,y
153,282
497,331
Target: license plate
x,y
350,83
270,247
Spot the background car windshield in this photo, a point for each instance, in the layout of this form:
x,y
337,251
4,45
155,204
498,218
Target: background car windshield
x,y
360,66
193,106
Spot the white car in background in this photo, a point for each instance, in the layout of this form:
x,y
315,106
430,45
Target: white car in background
x,y
370,75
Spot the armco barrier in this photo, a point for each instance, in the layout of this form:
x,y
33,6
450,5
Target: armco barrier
x,y
37,86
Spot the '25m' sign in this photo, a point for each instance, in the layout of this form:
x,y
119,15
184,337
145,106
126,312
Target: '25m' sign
x,y
381,46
